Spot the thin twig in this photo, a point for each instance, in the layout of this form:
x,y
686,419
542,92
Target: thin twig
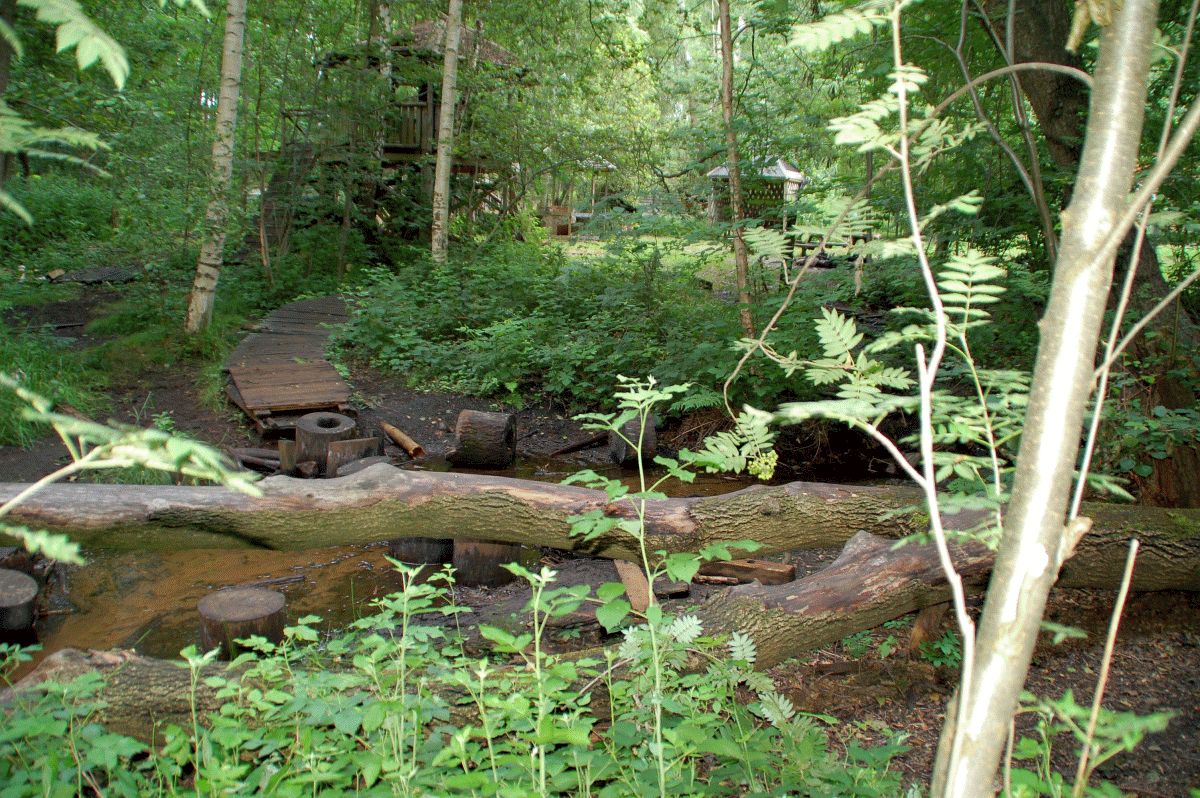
x,y
1105,667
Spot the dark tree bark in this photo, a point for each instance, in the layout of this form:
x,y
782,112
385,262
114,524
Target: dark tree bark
x,y
1040,29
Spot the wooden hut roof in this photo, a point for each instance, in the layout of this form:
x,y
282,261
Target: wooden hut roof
x,y
765,168
430,36
426,41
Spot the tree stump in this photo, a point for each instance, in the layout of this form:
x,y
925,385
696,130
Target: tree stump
x,y
228,615
625,455
314,433
347,451
17,593
428,553
477,563
484,440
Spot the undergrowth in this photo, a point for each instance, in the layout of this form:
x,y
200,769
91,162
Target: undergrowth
x,y
396,706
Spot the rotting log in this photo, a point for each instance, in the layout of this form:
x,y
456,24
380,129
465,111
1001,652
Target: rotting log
x,y
382,503
870,582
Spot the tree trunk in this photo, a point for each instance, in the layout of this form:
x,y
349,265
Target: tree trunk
x,y
439,232
736,207
212,249
1035,536
383,503
1059,102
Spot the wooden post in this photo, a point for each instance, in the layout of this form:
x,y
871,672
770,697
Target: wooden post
x,y
624,454
314,433
17,593
229,615
484,440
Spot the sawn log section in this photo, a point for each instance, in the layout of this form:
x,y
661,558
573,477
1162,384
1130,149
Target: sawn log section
x,y
383,503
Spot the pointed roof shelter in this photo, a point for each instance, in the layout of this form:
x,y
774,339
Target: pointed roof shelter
x,y
765,169
767,185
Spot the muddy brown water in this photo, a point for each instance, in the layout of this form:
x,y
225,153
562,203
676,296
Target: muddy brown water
x,y
146,601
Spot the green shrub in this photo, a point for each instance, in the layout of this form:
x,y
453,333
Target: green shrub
x,y
70,211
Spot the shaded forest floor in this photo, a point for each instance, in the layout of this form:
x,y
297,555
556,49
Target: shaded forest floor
x,y
873,697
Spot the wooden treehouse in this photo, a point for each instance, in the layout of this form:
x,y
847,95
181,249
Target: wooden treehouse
x,y
378,110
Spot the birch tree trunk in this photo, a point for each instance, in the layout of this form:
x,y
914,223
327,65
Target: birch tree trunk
x,y
736,207
445,144
212,250
1036,538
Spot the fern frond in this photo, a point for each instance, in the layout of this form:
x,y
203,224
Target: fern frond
x,y
838,334
836,28
765,242
76,30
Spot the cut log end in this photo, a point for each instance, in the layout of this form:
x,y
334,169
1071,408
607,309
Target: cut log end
x,y
314,434
229,615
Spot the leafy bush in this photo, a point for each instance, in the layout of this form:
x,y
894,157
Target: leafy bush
x,y
70,212
517,319
46,365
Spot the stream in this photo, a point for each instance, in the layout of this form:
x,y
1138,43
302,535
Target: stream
x,y
146,601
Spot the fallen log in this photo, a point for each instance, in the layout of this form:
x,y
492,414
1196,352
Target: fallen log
x,y
383,503
872,581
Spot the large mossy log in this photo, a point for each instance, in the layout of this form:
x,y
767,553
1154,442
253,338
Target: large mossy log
x,y
383,503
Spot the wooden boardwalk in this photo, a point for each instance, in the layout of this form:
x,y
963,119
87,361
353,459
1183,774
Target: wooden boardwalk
x,y
279,372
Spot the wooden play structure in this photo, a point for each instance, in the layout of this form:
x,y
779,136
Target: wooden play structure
x,y
570,209
378,103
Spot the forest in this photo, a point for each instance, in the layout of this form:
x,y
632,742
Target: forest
x,y
599,398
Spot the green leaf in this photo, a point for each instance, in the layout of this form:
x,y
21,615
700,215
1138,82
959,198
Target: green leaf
x,y
611,614
682,566
76,29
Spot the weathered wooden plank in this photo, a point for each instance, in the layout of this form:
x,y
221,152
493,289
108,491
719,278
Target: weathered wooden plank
x,y
765,571
282,366
346,451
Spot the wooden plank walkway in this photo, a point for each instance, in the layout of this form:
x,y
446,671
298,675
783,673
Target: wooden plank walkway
x,y
279,372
